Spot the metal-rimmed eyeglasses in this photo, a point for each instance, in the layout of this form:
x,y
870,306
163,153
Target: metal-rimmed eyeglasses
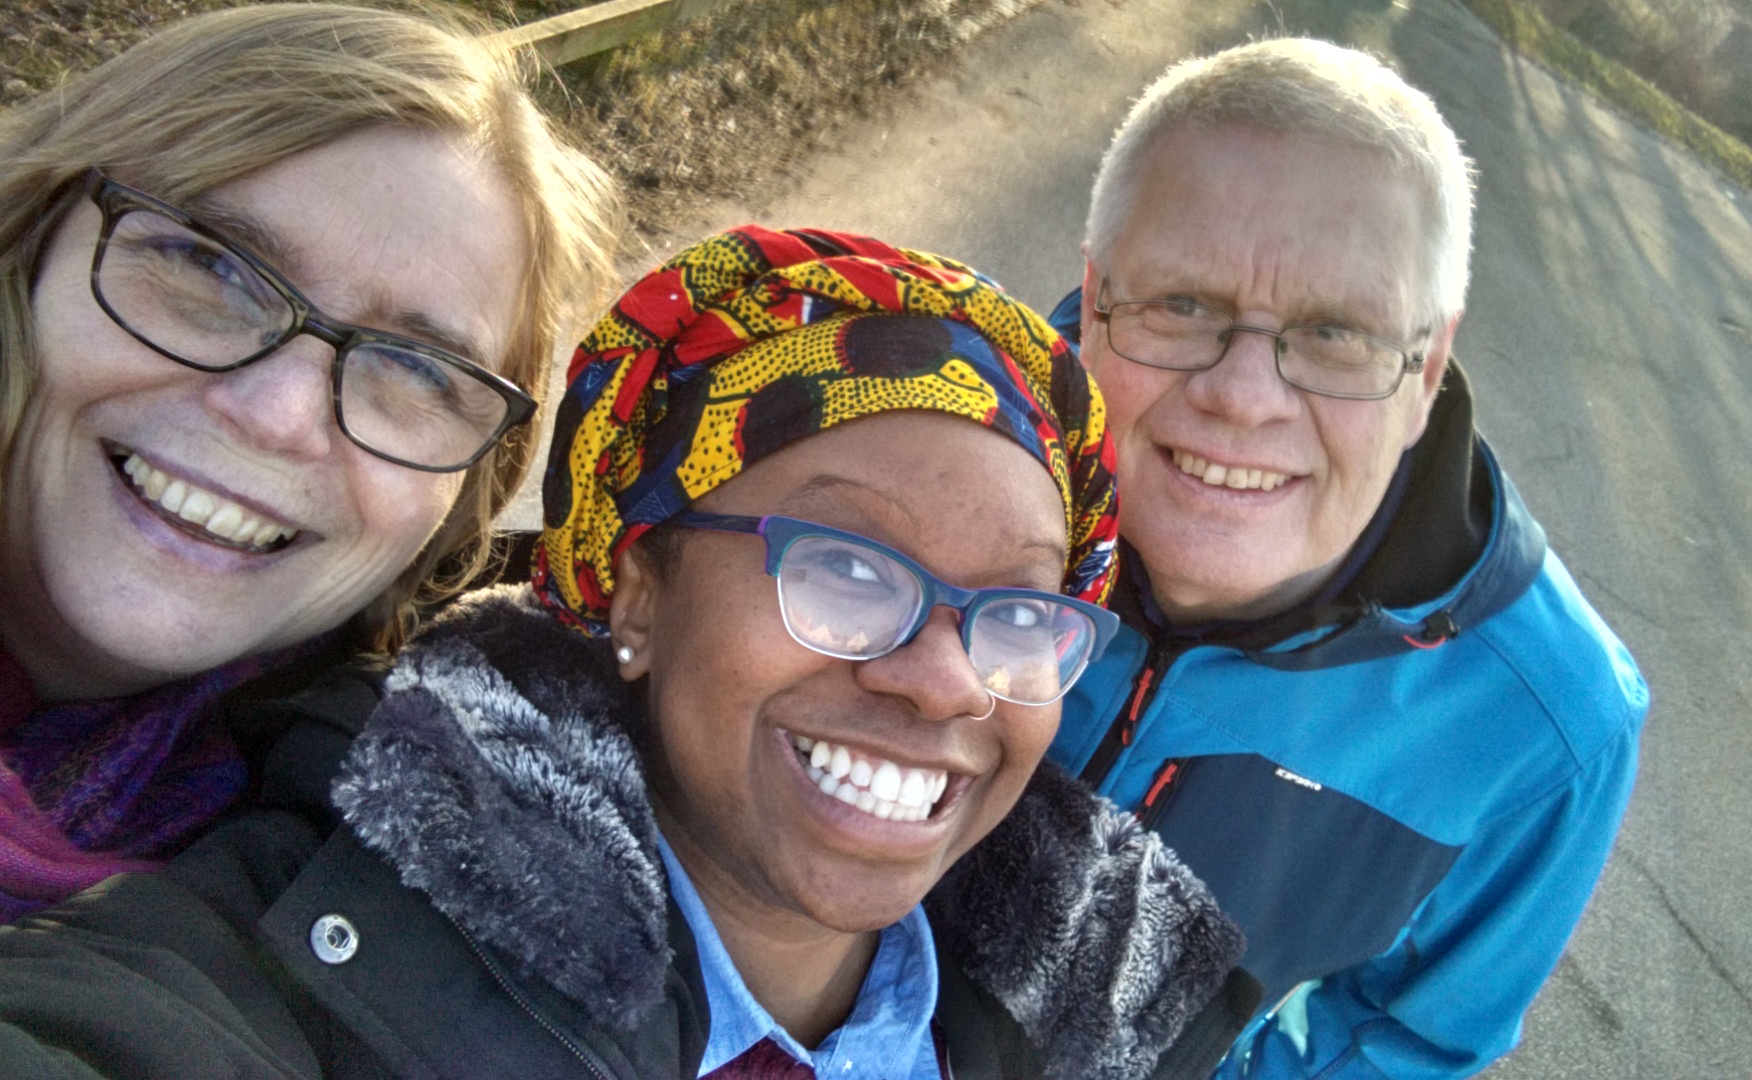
x,y
1183,335
848,596
185,292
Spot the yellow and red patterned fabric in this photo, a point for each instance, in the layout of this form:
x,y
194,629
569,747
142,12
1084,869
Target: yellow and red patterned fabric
x,y
753,339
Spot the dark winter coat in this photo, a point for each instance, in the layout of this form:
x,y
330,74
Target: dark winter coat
x,y
509,916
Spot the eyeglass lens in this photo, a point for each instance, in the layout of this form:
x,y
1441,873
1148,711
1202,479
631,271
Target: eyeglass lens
x,y
192,297
1190,337
852,601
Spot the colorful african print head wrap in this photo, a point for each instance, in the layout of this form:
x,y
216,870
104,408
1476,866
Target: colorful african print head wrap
x,y
753,339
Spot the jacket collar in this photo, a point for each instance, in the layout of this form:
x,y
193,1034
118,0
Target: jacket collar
x,y
500,779
1441,527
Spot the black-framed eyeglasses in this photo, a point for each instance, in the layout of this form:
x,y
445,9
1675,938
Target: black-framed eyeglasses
x,y
187,293
1183,335
848,596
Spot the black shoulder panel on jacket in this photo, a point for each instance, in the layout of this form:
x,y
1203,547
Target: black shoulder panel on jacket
x,y
1311,891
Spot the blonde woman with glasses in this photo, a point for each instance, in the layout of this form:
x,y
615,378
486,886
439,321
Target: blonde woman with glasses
x,y
279,288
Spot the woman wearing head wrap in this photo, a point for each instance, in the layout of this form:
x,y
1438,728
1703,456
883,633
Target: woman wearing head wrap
x,y
826,522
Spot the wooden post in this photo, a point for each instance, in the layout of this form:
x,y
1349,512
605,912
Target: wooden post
x,y
600,27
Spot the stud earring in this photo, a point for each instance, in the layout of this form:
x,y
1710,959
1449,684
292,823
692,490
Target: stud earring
x,y
624,654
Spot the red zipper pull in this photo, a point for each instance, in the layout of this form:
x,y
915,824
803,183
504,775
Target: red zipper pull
x,y
1137,702
1164,777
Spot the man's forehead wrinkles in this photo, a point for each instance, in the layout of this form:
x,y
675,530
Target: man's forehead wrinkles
x,y
1291,288
1294,278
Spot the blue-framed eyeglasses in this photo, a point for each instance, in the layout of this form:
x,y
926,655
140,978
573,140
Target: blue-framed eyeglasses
x,y
847,596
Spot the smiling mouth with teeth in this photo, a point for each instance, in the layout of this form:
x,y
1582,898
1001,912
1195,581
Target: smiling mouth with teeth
x,y
202,513
879,788
1234,477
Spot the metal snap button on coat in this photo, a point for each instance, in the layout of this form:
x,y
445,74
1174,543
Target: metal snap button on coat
x,y
333,939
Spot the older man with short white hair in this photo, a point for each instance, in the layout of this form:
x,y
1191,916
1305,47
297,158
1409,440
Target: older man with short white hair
x,y
1357,693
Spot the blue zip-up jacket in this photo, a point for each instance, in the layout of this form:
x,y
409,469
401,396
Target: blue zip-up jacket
x,y
1406,803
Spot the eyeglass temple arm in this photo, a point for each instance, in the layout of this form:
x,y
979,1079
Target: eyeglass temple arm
x,y
1100,309
734,523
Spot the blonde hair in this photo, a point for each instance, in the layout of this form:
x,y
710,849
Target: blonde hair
x,y
1308,87
214,97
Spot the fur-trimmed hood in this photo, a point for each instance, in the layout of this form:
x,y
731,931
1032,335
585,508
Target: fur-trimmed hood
x,y
499,778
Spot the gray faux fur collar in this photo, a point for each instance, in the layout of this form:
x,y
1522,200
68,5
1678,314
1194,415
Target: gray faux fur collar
x,y
498,778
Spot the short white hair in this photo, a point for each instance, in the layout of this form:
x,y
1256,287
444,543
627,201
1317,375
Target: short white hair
x,y
1306,87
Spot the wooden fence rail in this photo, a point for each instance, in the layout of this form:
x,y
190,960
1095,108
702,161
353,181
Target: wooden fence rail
x,y
600,27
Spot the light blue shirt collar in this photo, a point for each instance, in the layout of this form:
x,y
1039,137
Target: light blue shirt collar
x,y
888,1035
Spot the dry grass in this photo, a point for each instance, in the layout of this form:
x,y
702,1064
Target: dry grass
x,y
724,104
40,40
1698,51
715,107
1524,26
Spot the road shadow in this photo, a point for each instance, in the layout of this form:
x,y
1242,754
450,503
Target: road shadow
x,y
1611,271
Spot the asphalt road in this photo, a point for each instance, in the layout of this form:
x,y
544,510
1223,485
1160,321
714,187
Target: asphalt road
x,y
1609,335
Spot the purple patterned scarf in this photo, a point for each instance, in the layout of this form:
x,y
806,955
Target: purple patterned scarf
x,y
90,789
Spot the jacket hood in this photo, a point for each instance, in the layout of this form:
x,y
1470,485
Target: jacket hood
x,y
499,778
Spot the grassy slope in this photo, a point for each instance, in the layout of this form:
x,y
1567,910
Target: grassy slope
x,y
41,41
1528,32
726,104
719,106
